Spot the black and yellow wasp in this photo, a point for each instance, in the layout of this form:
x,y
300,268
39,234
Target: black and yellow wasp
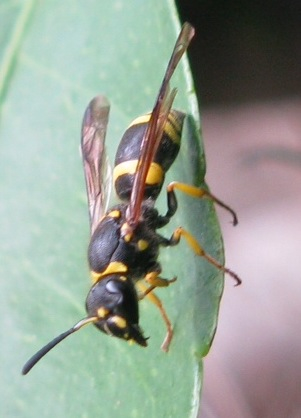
x,y
124,246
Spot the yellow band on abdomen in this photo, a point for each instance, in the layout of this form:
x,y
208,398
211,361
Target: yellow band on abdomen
x,y
140,120
155,173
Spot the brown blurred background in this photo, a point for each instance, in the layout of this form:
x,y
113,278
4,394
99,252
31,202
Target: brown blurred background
x,y
246,61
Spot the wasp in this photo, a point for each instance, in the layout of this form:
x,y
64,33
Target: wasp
x,y
124,245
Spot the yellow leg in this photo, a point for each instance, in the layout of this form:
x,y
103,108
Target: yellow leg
x,y
200,193
156,301
198,250
154,280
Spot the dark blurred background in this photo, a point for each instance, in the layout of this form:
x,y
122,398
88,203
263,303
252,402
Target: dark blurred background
x,y
245,50
246,63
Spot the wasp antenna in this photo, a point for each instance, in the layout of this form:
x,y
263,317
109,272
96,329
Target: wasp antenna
x,y
43,351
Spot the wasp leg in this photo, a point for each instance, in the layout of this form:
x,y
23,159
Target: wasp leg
x,y
156,301
154,281
198,250
172,206
145,292
196,192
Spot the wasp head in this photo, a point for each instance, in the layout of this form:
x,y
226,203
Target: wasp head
x,y
114,301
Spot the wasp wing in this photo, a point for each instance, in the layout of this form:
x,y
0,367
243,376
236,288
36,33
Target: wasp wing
x,y
154,131
96,166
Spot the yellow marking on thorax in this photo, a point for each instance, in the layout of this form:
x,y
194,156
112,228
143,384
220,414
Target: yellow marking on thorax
x,y
142,244
126,232
154,176
114,267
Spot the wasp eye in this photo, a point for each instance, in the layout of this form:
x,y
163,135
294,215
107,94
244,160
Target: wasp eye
x,y
113,286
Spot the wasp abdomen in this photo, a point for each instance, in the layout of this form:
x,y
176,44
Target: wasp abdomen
x,y
129,149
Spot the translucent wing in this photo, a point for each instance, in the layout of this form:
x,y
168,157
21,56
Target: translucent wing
x,y
96,167
155,127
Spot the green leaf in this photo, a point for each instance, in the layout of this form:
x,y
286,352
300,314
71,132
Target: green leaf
x,y
57,55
